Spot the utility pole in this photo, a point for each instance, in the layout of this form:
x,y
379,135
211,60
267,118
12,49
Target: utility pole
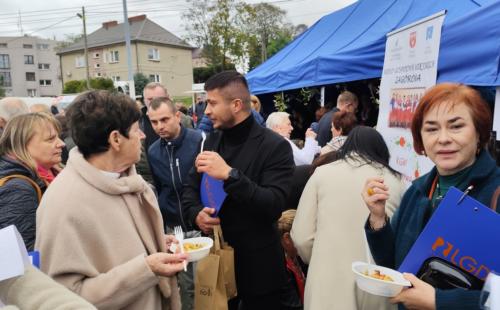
x,y
129,50
82,16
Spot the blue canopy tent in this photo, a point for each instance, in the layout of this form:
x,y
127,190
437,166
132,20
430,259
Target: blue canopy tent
x,y
349,45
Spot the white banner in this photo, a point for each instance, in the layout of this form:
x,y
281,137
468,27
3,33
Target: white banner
x,y
410,67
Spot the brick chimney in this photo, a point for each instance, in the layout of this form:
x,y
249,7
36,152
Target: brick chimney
x,y
137,18
109,24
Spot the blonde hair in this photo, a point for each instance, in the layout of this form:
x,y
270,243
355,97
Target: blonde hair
x,y
286,221
19,131
255,102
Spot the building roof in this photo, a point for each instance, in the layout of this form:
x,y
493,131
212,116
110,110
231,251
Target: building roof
x,y
141,29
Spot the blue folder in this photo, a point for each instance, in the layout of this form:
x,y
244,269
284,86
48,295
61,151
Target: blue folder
x,y
461,231
212,193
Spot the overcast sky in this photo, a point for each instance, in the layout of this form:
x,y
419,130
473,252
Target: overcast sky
x,y
55,18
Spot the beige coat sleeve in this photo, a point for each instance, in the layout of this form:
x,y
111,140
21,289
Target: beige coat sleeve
x,y
304,225
114,289
36,291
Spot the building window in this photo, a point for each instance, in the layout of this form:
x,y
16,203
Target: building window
x,y
5,79
31,92
96,55
154,78
42,46
113,57
97,66
80,61
27,45
29,60
98,74
115,78
4,61
153,54
30,76
44,66
45,82
3,45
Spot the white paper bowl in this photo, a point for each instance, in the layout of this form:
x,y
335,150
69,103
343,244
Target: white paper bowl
x,y
376,286
198,254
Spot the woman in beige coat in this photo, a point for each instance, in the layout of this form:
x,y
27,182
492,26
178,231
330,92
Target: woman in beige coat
x,y
99,228
327,230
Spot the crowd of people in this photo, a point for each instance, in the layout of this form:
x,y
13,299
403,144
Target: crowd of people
x,y
103,218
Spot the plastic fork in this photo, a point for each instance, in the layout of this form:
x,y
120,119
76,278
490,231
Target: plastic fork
x,y
179,235
203,138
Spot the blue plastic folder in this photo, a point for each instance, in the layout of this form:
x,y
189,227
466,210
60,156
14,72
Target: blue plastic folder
x,y
463,232
212,193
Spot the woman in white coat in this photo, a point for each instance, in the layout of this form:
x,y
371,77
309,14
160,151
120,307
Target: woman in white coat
x,y
326,230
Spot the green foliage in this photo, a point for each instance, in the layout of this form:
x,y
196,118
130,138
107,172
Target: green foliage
x,y
200,75
280,102
74,86
102,83
213,26
140,81
186,100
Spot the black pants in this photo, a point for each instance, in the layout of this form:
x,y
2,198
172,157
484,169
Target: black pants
x,y
269,301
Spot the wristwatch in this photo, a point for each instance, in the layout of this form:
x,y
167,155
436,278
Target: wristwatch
x,y
234,175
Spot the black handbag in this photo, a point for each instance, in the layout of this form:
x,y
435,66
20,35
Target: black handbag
x,y
442,274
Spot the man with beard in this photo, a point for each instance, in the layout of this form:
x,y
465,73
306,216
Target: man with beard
x,y
256,167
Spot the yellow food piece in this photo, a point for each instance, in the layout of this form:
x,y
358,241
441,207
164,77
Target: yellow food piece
x,y
378,275
188,246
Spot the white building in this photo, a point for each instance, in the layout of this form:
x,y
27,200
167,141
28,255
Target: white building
x,y
29,67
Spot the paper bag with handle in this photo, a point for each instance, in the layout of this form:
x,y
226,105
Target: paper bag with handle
x,y
214,280
226,253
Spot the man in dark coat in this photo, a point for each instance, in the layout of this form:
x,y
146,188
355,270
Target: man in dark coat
x,y
346,101
256,166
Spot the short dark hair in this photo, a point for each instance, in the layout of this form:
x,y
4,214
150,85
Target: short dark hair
x,y
452,93
230,79
95,114
345,121
157,102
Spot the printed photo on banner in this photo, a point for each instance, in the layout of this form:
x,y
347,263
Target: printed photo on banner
x,y
402,105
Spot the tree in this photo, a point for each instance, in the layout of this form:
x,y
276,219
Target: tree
x,y
214,26
140,81
264,21
69,39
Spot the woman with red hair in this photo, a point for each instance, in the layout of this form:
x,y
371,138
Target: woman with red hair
x,y
452,127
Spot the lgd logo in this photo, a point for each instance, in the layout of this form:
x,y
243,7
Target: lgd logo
x,y
413,39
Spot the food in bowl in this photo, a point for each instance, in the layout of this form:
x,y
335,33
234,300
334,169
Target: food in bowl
x,y
372,279
376,274
189,246
197,247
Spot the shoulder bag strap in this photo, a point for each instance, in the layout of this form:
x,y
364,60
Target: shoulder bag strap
x,y
23,177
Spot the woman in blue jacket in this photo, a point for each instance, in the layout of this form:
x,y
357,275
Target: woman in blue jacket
x,y
451,126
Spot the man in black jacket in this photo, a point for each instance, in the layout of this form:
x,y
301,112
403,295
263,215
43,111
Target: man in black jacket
x,y
256,166
346,101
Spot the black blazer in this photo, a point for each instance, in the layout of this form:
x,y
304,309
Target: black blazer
x,y
252,207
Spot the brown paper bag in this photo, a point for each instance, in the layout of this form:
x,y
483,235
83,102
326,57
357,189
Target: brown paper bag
x,y
226,254
209,288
